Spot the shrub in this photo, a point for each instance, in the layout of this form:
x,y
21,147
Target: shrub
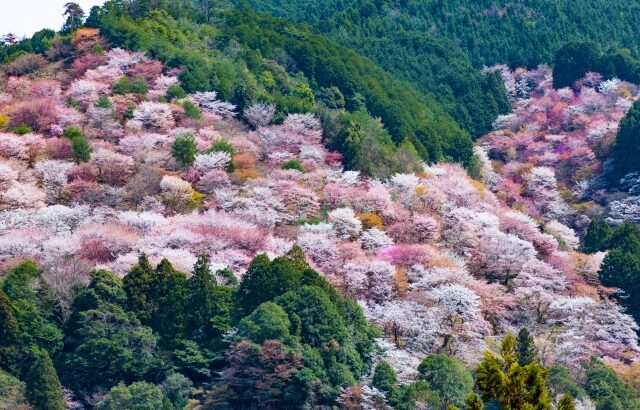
x,y
244,160
81,150
39,114
293,164
25,64
175,92
221,145
4,122
184,149
191,111
127,86
241,176
370,220
22,129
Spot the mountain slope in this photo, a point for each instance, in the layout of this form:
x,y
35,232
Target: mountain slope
x,y
114,164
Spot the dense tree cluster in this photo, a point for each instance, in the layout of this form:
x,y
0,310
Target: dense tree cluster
x,y
149,337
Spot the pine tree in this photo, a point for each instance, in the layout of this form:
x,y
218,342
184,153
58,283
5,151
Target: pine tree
x,y
44,390
627,147
168,292
81,150
75,17
525,347
8,324
473,402
597,235
566,403
201,293
515,387
137,284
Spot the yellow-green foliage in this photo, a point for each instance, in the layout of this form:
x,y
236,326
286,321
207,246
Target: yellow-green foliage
x,y
370,220
4,122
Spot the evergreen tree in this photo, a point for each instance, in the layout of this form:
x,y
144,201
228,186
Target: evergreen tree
x,y
385,378
626,149
513,386
75,17
168,293
210,304
81,150
525,347
8,324
137,284
137,396
448,377
264,280
44,390
573,61
105,344
566,402
597,235
473,402
606,388
268,322
184,149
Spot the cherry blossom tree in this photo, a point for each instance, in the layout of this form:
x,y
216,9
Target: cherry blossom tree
x,y
259,114
345,223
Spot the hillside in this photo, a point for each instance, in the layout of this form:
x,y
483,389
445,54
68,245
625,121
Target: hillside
x,y
490,32
440,45
106,158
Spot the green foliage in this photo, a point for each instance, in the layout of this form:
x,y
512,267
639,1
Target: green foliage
x,y
525,348
190,110
192,360
621,266
397,40
177,388
210,305
8,324
125,85
174,92
22,129
75,18
128,113
221,145
41,40
473,402
560,381
447,377
597,235
81,150
168,292
264,280
105,344
368,147
137,396
606,388
331,97
268,322
36,323
566,402
513,386
575,59
293,164
104,102
44,390
384,378
12,393
626,149
184,149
